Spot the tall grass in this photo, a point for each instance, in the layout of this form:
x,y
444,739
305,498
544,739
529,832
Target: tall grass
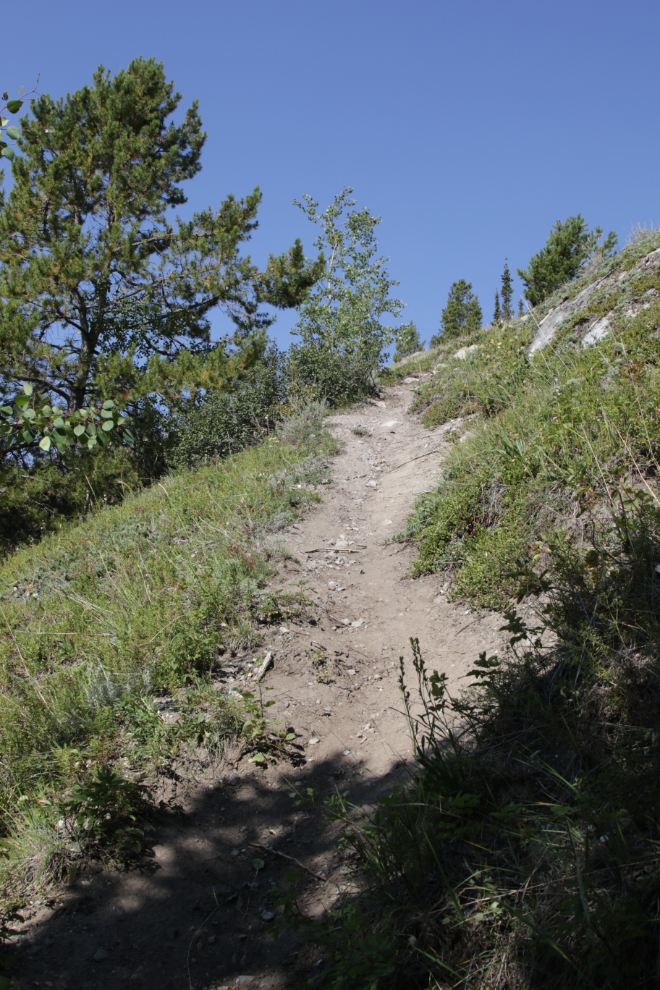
x,y
141,600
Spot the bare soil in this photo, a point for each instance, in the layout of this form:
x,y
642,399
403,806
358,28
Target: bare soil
x,y
194,912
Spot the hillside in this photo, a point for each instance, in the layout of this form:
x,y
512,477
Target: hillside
x,y
502,483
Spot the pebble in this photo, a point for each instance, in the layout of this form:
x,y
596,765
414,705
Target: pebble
x,y
267,915
213,939
100,955
351,673
313,742
244,981
233,778
357,623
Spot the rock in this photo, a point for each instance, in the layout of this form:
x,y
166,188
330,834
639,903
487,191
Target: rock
x,y
332,585
244,981
313,742
171,933
462,352
351,673
410,381
286,704
372,484
357,623
100,955
233,779
267,915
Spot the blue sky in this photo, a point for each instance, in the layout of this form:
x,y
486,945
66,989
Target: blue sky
x,y
469,127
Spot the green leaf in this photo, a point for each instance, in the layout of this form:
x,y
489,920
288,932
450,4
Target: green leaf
x,y
7,410
108,425
46,411
14,132
27,436
29,413
79,430
91,442
44,443
4,121
108,404
8,153
59,423
257,758
258,864
106,414
27,388
14,105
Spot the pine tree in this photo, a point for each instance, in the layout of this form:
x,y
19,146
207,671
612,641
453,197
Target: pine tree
x,y
102,293
568,246
407,342
462,314
521,308
497,315
507,293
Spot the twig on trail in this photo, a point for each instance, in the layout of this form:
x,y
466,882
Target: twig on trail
x,y
216,908
276,852
419,457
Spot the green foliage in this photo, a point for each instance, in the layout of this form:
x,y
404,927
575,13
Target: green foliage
x,y
342,312
315,372
105,809
105,298
141,600
497,312
407,342
569,245
507,293
462,314
226,420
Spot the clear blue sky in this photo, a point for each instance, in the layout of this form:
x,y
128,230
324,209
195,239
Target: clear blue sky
x,y
470,127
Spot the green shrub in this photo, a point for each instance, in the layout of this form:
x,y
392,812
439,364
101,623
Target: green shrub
x,y
316,372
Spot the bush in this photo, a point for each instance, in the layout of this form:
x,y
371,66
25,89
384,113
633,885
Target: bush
x,y
224,422
316,372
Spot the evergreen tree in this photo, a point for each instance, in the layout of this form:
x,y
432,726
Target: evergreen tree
x,y
497,315
407,342
521,308
462,314
569,245
102,293
507,293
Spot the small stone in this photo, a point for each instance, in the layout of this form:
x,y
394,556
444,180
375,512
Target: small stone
x,y
410,381
372,484
213,939
244,981
357,623
332,585
313,742
233,778
286,704
351,673
171,933
267,915
100,955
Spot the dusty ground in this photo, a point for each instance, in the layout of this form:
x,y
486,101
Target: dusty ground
x,y
196,912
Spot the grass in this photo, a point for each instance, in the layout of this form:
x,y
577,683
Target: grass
x,y
544,426
141,602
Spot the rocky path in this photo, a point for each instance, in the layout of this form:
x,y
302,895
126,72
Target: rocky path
x,y
198,911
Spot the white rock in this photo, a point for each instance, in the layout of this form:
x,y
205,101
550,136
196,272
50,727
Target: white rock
x,y
100,955
357,623
463,352
410,381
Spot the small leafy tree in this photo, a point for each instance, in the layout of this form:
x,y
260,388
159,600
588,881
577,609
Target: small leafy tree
x,y
407,342
342,313
462,314
497,314
569,245
103,296
507,293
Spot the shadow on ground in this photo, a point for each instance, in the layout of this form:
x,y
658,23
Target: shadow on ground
x,y
195,911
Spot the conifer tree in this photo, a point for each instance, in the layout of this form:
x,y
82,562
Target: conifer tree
x,y
497,315
569,245
507,293
102,292
521,308
462,314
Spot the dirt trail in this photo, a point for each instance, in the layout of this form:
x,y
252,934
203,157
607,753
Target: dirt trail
x,y
196,913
